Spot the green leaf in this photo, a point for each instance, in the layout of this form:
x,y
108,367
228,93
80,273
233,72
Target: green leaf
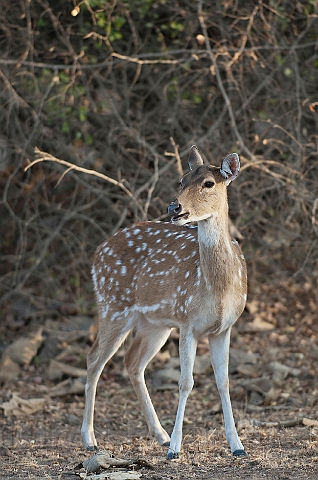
x,y
65,127
82,113
42,22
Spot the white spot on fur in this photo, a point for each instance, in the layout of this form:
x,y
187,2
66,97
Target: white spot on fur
x,y
189,300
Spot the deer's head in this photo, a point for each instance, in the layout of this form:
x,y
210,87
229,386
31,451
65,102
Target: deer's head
x,y
203,189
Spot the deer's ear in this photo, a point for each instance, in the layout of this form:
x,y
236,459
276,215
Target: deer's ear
x,y
230,167
195,158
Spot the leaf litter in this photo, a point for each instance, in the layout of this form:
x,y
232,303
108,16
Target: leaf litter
x,y
274,389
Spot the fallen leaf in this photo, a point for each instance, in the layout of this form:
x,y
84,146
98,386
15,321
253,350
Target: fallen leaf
x,y
57,369
67,387
9,370
23,350
18,406
258,325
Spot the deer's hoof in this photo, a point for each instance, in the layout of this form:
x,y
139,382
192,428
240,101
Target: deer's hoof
x,y
172,455
91,448
239,453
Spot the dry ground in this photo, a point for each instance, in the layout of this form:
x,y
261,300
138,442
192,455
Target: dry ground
x,y
47,444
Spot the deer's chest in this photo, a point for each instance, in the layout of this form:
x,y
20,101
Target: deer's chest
x,y
212,314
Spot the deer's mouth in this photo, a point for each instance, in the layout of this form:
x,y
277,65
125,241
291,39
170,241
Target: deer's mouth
x,y
182,216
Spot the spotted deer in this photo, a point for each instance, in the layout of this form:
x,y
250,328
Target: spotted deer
x,y
155,276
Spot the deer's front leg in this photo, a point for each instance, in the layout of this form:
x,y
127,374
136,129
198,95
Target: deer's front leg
x,y
187,351
219,351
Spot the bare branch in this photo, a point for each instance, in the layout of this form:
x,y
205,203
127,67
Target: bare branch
x,y
46,157
176,152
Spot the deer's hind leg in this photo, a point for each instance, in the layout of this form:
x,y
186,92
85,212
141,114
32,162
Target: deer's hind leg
x,y
147,342
105,346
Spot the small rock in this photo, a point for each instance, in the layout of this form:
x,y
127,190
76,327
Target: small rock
x,y
51,347
283,339
248,370
261,385
309,422
167,377
256,398
202,363
279,371
72,419
260,389
238,357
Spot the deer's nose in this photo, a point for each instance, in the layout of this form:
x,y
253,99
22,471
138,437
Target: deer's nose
x,y
174,208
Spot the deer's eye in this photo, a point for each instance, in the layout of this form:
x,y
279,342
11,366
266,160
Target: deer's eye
x,y
209,184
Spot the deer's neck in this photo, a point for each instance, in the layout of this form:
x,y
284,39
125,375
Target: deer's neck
x,y
216,251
